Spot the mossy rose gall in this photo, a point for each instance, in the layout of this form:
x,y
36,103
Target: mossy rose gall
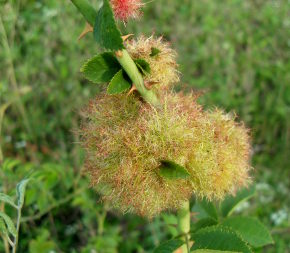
x,y
126,9
126,140
161,58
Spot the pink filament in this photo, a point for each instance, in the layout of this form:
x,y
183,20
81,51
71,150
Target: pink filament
x,y
126,9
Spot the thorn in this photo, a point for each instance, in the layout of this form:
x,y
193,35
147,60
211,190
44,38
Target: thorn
x,y
149,85
119,53
178,250
193,214
125,37
133,88
88,28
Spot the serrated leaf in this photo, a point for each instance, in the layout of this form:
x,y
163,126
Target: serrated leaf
x,y
203,223
212,251
9,223
118,84
101,68
106,32
250,229
169,246
154,51
3,229
143,66
206,207
20,191
172,170
7,199
219,238
231,202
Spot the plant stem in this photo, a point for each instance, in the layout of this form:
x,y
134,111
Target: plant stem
x,y
4,238
4,189
2,112
54,205
101,217
17,230
123,57
183,225
6,244
131,69
13,80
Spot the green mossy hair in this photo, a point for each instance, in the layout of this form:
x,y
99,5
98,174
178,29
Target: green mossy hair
x,y
126,139
164,73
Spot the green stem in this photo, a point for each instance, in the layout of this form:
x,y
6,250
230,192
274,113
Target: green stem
x,y
15,244
2,112
183,225
13,80
2,209
54,205
123,57
131,69
101,217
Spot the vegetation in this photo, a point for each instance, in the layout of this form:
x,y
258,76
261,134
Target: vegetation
x,y
234,51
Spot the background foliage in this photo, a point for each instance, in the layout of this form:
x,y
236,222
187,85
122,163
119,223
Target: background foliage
x,y
237,52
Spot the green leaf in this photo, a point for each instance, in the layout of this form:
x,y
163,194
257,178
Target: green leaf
x,y
143,66
219,238
118,84
3,229
9,223
169,246
101,68
9,164
206,209
170,221
7,199
172,170
86,10
154,51
106,32
231,202
20,191
42,243
202,223
212,251
250,229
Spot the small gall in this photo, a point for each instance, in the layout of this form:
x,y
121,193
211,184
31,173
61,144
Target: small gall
x,y
126,9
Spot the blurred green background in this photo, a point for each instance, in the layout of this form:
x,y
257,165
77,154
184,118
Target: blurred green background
x,y
236,51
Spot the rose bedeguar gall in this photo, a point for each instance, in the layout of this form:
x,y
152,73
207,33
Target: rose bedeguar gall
x,y
126,140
